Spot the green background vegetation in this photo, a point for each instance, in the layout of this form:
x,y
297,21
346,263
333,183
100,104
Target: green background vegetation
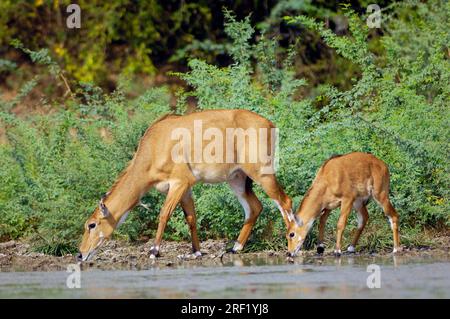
x,y
75,103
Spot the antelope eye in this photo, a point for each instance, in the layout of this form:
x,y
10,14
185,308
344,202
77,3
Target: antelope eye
x,y
292,235
91,226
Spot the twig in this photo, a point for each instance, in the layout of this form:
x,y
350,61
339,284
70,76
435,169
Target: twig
x,y
66,83
144,205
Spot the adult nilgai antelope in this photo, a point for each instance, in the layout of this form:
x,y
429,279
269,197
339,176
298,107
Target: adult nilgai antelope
x,y
348,181
176,152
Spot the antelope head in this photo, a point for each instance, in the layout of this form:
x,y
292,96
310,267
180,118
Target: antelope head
x,y
296,234
97,229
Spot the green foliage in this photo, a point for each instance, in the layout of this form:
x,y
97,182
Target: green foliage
x,y
115,36
55,167
39,57
136,38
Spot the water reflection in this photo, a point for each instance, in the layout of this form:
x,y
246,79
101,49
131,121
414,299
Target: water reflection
x,y
244,276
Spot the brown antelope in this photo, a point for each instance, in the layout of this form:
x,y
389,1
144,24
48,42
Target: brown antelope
x,y
172,157
348,181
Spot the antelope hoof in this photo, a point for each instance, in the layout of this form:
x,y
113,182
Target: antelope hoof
x,y
351,249
337,252
236,248
396,250
320,249
290,255
154,253
197,254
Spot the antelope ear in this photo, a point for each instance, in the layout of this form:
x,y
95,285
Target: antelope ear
x,y
290,216
103,209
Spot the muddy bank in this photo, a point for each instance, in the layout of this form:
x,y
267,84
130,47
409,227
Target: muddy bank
x,y
115,255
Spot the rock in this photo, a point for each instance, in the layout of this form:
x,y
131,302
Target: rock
x,y
8,244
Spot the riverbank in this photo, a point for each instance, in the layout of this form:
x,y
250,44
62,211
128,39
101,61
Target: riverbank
x,y
118,255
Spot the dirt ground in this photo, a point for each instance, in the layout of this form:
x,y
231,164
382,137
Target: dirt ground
x,y
19,256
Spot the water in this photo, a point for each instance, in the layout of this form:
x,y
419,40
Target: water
x,y
238,277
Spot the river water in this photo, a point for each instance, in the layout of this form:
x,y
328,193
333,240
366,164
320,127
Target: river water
x,y
240,277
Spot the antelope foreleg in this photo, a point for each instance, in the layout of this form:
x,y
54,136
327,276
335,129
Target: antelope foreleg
x,y
346,208
176,192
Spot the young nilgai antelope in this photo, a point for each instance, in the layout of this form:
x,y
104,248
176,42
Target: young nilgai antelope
x,y
230,146
345,181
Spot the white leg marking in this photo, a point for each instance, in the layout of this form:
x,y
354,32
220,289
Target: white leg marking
x,y
238,187
245,205
289,215
279,207
198,253
390,222
237,246
351,249
360,220
281,210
